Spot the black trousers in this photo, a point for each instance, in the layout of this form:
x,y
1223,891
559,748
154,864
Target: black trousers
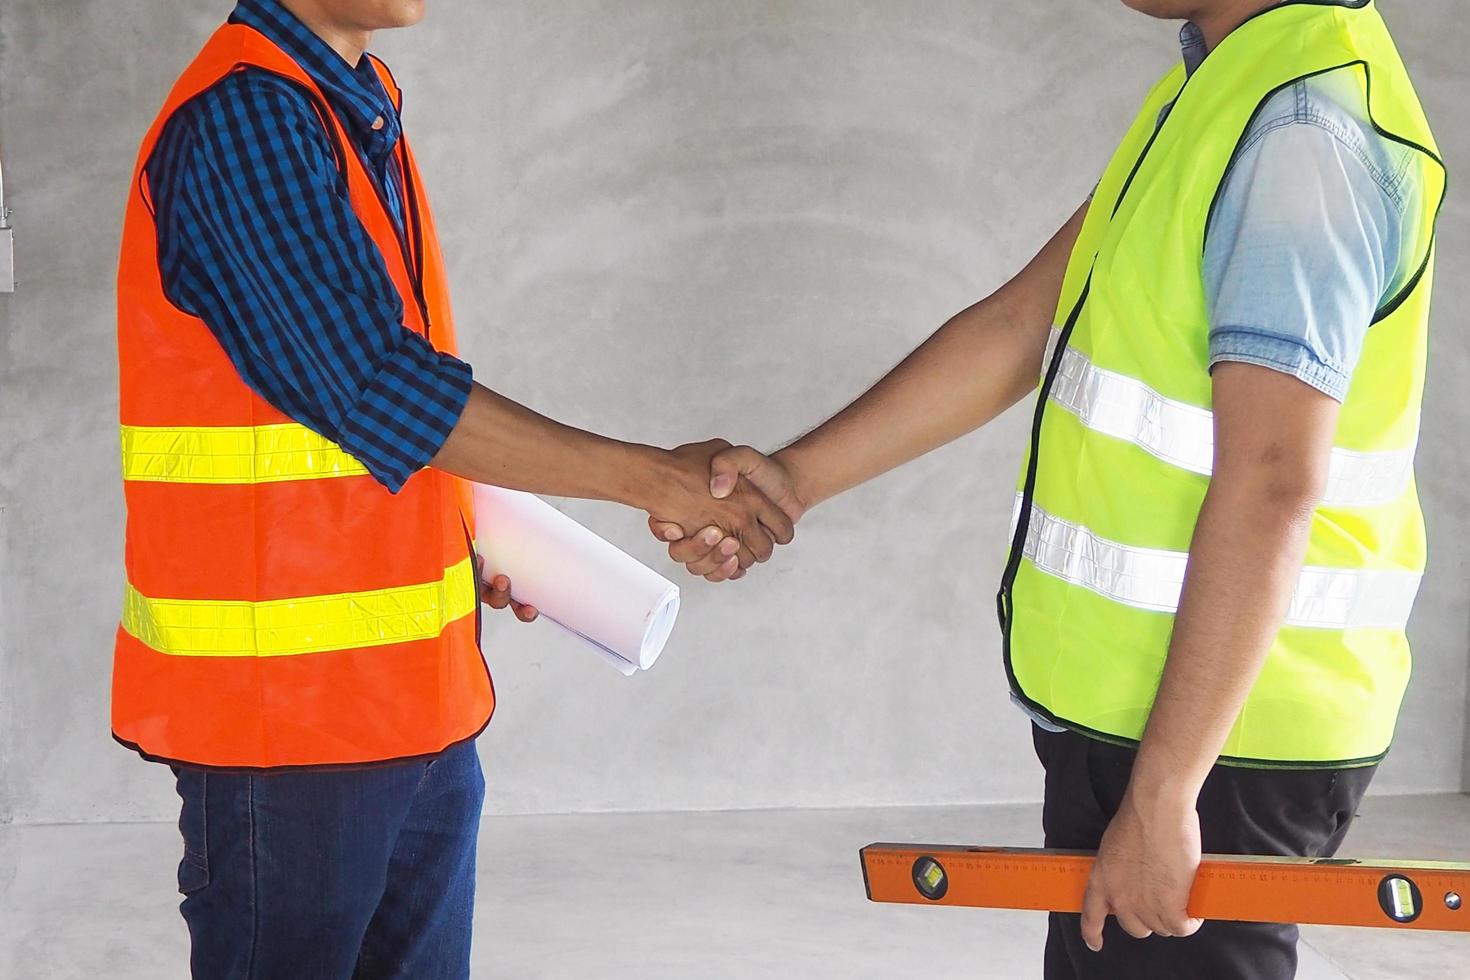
x,y
1303,813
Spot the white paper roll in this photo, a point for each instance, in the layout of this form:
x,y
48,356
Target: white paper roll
x,y
605,597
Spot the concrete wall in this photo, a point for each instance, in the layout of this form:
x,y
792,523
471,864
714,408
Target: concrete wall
x,y
666,220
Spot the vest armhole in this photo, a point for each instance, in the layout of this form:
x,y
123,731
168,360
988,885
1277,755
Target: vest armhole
x,y
1422,266
1391,307
323,113
1240,140
1432,160
145,193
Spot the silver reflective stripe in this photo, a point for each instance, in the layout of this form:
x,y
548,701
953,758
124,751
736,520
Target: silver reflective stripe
x,y
1147,578
1184,435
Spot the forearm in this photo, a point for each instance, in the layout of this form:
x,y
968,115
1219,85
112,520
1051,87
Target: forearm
x,y
1245,559
1247,551
500,442
972,369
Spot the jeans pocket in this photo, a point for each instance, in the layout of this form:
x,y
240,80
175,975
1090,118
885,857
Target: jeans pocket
x,y
194,827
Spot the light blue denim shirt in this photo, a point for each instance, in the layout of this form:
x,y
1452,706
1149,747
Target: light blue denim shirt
x,y
1312,233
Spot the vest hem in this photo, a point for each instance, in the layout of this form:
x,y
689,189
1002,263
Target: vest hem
x,y
303,767
1230,761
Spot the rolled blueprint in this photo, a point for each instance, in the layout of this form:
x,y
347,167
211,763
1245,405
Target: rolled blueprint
x,y
603,596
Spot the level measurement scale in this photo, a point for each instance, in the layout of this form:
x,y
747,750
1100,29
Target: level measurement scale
x,y
1322,891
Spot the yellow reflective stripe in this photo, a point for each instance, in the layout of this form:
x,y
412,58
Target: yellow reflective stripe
x,y
312,624
232,454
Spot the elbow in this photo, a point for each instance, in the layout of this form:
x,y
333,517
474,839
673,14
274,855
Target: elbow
x,y
1275,487
1291,503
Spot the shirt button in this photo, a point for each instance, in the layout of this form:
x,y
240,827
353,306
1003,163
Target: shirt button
x,y
378,124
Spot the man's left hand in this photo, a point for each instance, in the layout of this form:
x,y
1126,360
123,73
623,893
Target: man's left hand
x,y
496,594
1144,872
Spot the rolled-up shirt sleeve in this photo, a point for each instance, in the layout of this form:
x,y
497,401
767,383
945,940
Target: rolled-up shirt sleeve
x,y
257,238
1301,249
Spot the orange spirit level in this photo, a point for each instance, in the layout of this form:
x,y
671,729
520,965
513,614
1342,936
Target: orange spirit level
x,y
1326,891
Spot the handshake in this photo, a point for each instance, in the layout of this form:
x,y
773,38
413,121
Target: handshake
x,y
725,508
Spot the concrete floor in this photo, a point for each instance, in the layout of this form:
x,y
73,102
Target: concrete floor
x,y
713,896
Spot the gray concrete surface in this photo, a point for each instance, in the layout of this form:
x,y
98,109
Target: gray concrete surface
x,y
667,220
773,895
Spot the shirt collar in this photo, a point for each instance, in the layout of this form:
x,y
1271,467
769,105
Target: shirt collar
x,y
355,92
1192,43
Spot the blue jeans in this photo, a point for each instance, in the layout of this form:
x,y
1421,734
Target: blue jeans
x,y
362,874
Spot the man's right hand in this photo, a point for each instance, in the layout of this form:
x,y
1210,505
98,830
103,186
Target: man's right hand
x,y
709,552
706,491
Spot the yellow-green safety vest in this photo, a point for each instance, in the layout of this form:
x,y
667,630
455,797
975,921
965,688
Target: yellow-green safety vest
x,y
1122,441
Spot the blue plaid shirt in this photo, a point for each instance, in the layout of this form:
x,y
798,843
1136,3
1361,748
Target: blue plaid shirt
x,y
257,238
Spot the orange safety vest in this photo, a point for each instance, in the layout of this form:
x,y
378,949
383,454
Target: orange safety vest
x,y
282,608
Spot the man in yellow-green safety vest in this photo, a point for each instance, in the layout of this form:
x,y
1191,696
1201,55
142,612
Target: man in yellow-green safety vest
x,y
1217,539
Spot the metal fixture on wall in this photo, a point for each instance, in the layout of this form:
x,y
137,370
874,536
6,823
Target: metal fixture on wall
x,y
7,242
